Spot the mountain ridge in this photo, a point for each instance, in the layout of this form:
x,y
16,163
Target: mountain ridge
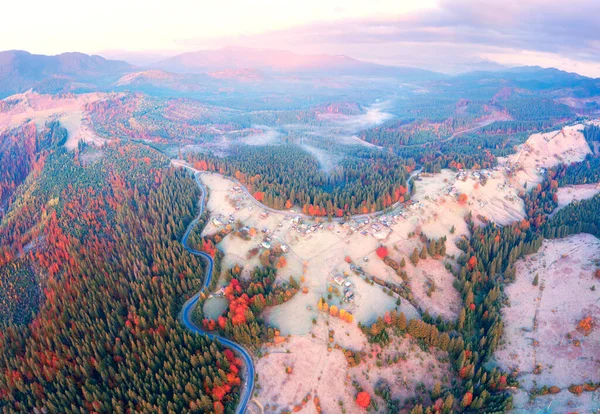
x,y
281,61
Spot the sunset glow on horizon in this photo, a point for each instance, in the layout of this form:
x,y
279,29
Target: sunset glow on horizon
x,y
443,35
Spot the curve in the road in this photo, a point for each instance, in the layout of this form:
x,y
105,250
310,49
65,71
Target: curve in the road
x,y
186,313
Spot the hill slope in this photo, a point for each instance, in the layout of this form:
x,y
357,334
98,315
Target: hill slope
x,y
21,70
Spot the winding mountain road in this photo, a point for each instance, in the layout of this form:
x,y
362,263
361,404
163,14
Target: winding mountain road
x,y
186,313
188,307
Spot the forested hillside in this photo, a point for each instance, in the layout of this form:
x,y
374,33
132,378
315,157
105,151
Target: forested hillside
x,y
102,229
21,147
283,176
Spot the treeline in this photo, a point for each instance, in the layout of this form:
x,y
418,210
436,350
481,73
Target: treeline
x,y
535,109
577,217
517,126
159,120
592,134
469,150
106,337
443,106
583,172
25,152
401,133
283,176
586,171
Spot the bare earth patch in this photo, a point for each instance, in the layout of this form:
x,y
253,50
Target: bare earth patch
x,y
544,343
431,285
438,209
545,151
304,366
69,110
567,195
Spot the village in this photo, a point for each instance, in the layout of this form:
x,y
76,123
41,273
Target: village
x,y
337,264
443,198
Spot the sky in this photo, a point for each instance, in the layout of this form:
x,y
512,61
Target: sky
x,y
444,35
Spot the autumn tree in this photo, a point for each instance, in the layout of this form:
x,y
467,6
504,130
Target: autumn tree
x,y
414,257
363,399
382,252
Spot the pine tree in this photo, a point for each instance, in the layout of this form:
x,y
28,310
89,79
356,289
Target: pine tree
x,y
414,257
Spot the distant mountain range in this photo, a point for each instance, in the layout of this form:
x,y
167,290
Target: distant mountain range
x,y
207,70
283,62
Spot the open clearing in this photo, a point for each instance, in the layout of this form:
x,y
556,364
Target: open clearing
x,y
567,195
437,194
69,110
544,344
543,151
317,371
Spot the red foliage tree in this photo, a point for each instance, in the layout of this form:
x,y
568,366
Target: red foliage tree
x,y
472,263
382,252
363,399
467,399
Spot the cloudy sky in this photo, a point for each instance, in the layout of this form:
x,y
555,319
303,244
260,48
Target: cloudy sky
x,y
444,35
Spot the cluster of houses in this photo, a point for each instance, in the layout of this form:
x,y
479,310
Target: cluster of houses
x,y
304,229
375,224
342,281
219,220
475,174
238,198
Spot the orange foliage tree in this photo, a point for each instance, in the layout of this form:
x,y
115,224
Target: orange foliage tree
x,y
281,262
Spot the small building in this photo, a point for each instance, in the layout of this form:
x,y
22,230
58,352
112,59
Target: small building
x,y
339,280
217,222
266,245
219,293
284,248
